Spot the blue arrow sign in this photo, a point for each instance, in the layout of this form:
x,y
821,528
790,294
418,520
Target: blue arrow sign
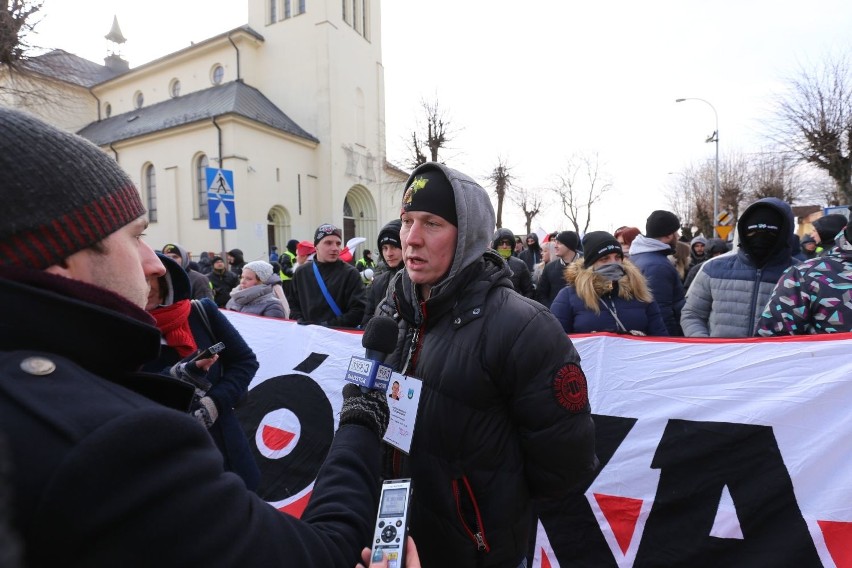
x,y
222,211
222,214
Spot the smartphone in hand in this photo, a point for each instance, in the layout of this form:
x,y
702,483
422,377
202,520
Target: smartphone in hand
x,y
209,352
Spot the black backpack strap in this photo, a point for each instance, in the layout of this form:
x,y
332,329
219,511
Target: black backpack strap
x,y
205,319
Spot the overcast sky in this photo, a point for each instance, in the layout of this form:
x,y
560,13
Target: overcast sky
x,y
534,86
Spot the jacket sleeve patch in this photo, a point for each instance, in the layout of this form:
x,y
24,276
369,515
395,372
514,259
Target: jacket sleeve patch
x,y
570,388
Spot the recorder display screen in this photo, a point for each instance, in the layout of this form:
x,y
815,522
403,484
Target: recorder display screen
x,y
393,502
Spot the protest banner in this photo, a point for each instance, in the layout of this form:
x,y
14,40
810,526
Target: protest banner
x,y
713,452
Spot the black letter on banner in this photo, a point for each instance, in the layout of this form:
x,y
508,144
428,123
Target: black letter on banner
x,y
696,460
571,526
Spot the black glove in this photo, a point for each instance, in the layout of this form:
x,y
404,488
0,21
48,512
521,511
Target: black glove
x,y
368,409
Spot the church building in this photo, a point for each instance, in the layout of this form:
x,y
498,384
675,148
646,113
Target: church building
x,y
289,105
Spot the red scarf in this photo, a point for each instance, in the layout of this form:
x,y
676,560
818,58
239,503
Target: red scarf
x,y
173,322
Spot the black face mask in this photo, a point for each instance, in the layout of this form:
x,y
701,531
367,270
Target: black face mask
x,y
760,245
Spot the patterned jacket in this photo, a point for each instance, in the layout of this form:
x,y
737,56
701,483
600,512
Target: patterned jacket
x,y
812,297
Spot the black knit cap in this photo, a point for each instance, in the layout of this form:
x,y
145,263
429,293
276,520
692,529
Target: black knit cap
x,y
763,218
570,239
661,223
389,235
829,225
326,230
431,192
599,244
60,193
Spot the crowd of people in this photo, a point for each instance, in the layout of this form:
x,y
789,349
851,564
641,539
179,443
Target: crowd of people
x,y
118,439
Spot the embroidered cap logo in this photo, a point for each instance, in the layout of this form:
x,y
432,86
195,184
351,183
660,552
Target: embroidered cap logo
x,y
416,185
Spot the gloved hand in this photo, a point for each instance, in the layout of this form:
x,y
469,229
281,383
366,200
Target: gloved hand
x,y
205,411
190,373
368,409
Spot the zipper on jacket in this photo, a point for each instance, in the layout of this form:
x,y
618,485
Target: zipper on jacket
x,y
753,306
416,344
477,531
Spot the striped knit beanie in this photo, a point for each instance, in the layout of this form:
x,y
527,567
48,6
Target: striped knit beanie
x,y
59,193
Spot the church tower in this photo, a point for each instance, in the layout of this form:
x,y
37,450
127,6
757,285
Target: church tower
x,y
115,39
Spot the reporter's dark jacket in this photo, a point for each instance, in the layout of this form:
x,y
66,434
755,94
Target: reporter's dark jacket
x,y
230,376
104,475
493,430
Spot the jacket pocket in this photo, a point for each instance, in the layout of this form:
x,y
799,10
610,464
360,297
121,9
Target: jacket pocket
x,y
469,515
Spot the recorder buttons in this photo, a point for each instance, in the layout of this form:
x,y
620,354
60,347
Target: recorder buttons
x,y
388,533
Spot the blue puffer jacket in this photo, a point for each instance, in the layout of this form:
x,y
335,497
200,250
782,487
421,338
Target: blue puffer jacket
x,y
651,256
728,295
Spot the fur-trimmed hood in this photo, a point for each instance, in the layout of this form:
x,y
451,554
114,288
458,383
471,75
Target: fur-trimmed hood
x,y
590,286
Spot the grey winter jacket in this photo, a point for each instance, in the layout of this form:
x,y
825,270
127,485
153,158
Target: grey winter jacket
x,y
728,295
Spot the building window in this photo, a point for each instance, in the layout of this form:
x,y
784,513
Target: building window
x,y
139,99
201,164
174,88
273,11
107,110
217,74
151,192
301,6
357,12
287,9
365,18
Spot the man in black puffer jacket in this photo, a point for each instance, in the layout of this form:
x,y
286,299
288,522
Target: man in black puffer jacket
x,y
502,383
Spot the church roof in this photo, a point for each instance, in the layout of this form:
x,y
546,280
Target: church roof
x,y
234,98
63,66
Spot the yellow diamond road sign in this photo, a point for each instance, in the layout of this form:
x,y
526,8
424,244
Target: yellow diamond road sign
x,y
724,231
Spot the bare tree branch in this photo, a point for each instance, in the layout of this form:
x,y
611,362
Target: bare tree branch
x,y
530,202
814,120
437,134
16,22
581,185
502,178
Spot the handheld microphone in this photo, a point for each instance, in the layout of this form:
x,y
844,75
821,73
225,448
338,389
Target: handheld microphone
x,y
379,341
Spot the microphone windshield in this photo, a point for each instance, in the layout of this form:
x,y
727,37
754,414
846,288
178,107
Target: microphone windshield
x,y
380,335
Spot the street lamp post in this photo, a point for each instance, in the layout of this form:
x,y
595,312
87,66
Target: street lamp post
x,y
713,138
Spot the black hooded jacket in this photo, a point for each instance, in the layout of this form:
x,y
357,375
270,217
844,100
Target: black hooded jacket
x,y
496,370
532,254
379,287
521,276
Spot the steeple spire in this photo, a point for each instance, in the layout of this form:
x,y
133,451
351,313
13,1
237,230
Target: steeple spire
x,y
115,38
115,34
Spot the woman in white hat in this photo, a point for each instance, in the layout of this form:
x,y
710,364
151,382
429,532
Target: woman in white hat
x,y
256,293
